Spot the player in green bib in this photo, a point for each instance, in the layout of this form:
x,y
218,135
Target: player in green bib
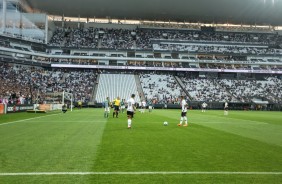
x,y
106,105
122,105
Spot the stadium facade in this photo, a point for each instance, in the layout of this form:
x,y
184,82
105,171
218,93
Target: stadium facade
x,y
205,62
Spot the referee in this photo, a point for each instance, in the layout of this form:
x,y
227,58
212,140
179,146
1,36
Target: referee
x,y
116,107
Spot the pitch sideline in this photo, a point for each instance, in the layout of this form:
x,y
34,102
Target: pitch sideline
x,y
27,119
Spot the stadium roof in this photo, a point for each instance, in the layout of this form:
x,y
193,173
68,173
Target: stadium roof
x,y
260,12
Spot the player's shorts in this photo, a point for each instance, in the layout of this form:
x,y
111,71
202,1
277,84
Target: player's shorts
x,y
183,114
116,108
122,107
130,113
204,107
226,108
107,109
150,107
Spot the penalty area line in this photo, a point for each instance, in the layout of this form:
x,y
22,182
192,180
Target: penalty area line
x,y
141,173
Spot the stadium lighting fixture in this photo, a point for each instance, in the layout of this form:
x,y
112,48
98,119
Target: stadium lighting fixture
x,y
273,2
265,1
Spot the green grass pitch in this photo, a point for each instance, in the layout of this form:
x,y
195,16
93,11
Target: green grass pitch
x,y
84,147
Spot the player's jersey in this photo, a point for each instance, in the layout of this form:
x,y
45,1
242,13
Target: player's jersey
x,y
130,104
204,105
106,104
116,102
122,103
226,105
184,105
143,104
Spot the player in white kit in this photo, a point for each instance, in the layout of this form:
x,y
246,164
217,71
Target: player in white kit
x,y
130,110
204,106
184,107
225,108
143,106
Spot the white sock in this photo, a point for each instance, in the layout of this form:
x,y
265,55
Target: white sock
x,y
181,120
129,122
185,119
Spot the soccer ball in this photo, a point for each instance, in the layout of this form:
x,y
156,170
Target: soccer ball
x,y
165,123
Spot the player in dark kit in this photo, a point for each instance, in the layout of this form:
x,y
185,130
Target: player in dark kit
x,y
64,108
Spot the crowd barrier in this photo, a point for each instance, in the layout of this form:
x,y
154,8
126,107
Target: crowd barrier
x,y
18,108
23,108
3,108
48,107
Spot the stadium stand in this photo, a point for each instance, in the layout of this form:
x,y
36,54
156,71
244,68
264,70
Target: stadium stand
x,y
156,52
162,88
235,49
34,82
28,83
145,38
247,89
207,90
116,85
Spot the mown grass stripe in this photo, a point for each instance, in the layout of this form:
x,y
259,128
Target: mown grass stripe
x,y
142,173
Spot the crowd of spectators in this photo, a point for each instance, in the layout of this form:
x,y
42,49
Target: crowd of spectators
x,y
25,84
274,88
92,38
165,89
207,90
14,88
160,88
245,90
220,37
198,27
171,25
231,90
75,38
117,38
58,37
205,63
144,38
80,84
33,83
218,49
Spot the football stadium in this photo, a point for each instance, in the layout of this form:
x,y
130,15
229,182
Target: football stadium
x,y
151,91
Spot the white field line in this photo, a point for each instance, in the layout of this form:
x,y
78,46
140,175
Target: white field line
x,y
78,121
48,121
237,123
27,119
141,173
245,120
